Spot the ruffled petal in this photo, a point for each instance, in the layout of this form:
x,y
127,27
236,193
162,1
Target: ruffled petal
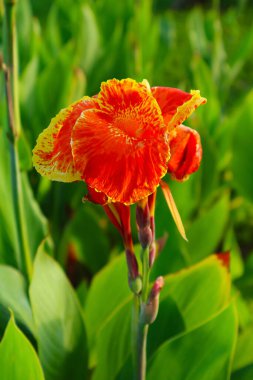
x,y
52,155
186,152
176,105
121,149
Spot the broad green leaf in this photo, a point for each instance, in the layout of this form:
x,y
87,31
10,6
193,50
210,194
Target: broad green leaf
x,y
18,359
37,227
59,322
207,230
188,300
114,344
108,291
13,295
242,150
36,224
204,353
243,360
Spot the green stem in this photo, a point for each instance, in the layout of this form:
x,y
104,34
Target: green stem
x,y
135,323
145,273
140,329
142,350
10,67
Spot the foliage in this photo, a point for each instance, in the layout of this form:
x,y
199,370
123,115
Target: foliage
x,y
203,331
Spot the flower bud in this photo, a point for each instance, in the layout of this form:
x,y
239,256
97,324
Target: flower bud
x,y
132,264
145,237
142,216
149,310
135,285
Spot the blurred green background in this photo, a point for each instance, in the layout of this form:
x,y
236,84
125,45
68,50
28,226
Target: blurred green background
x,y
66,49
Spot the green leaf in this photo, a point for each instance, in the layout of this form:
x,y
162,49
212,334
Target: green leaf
x,y
188,300
9,249
13,295
80,233
201,354
59,322
206,231
243,361
110,290
242,149
35,221
25,154
88,42
18,359
114,343
245,373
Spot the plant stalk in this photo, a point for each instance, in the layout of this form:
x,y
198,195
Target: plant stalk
x,y
10,67
139,328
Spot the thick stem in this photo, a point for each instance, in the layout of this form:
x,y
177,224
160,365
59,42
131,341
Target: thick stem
x,y
139,341
135,323
140,329
11,83
142,351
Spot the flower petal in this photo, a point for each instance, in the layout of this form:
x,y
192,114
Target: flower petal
x,y
186,152
176,105
52,155
122,148
173,208
95,196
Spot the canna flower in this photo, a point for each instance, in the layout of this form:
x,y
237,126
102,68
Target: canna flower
x,y
122,141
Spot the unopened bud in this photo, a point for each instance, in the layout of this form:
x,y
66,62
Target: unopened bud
x,y
132,264
142,216
136,285
149,310
145,237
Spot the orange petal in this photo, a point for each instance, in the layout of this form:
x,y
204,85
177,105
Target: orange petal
x,y
186,152
173,208
52,155
176,105
122,149
95,196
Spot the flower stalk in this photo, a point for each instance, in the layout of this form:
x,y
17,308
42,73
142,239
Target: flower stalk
x,y
10,67
146,303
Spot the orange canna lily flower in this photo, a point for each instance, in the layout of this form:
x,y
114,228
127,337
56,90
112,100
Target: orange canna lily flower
x,y
122,141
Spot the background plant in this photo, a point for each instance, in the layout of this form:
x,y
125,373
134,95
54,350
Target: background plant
x,y
65,51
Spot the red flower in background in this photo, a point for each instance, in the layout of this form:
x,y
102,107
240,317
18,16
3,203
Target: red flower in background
x,y
122,141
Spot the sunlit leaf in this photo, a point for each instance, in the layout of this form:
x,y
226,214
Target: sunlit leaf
x,y
18,359
59,322
204,353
